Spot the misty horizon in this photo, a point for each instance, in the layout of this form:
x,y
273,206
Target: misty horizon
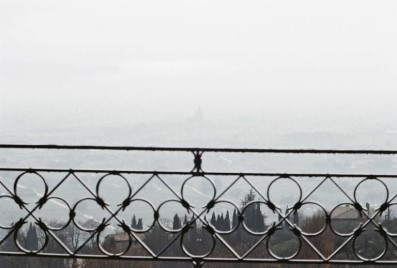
x,y
269,67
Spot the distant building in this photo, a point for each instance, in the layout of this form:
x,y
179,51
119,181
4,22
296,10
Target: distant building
x,y
121,240
350,213
198,116
346,213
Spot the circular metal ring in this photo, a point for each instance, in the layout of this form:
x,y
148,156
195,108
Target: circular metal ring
x,y
30,172
247,228
165,228
233,228
308,234
195,176
73,215
104,251
117,175
283,258
23,249
193,255
372,178
331,221
12,223
66,223
154,219
284,178
371,259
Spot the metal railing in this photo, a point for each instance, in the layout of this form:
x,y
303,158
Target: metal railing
x,y
196,216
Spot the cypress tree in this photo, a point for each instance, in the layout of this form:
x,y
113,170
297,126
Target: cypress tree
x,y
213,220
227,221
185,221
249,197
250,217
176,224
133,222
218,222
139,225
32,241
234,219
249,213
260,220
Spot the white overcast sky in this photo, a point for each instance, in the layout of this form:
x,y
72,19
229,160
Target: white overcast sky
x,y
161,59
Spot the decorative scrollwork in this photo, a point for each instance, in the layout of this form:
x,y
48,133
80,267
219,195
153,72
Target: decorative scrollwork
x,y
276,219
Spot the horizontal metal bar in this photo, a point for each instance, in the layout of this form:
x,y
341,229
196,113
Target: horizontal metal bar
x,y
191,173
206,259
193,149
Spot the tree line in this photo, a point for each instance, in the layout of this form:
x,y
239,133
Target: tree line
x,y
196,240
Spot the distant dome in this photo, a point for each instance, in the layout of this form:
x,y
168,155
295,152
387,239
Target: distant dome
x,y
198,116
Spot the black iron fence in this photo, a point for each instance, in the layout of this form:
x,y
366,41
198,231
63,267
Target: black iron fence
x,y
77,217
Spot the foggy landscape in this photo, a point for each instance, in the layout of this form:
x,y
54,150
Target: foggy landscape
x,y
219,74
264,74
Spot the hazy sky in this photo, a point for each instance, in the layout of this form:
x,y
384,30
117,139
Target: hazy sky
x,y
148,60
